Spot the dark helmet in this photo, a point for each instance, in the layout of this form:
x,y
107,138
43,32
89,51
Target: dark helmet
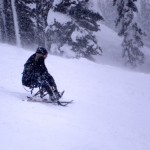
x,y
41,50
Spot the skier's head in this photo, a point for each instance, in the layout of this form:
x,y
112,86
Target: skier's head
x,y
42,51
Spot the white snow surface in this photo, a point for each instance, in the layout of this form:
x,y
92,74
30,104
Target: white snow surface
x,y
111,107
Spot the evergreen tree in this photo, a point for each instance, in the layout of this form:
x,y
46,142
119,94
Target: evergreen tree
x,y
41,13
9,23
2,27
128,28
26,24
59,34
78,31
145,18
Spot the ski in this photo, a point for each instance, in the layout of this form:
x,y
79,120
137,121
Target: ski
x,y
58,102
64,103
44,100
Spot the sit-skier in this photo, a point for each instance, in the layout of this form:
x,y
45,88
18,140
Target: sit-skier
x,y
35,74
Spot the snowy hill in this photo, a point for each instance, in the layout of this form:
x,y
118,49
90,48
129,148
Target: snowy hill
x,y
111,107
112,50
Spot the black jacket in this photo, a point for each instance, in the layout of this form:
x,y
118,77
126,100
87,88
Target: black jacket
x,y
34,68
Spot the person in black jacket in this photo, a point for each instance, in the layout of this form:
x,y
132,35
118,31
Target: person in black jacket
x,y
35,74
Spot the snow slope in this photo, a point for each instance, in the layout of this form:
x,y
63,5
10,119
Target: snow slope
x,y
111,107
110,43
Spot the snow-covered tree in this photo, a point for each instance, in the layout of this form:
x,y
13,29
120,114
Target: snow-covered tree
x,y
25,22
144,18
128,28
41,13
2,27
76,30
16,24
8,26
